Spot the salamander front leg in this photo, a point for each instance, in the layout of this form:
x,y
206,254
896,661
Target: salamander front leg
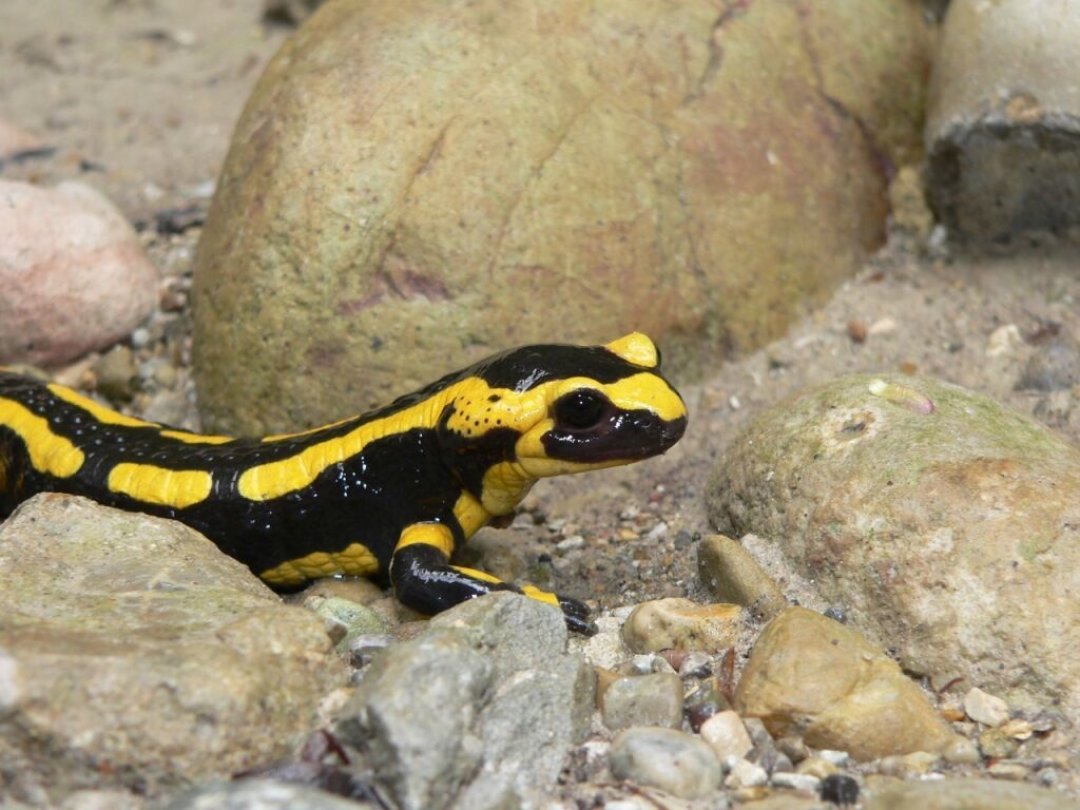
x,y
424,580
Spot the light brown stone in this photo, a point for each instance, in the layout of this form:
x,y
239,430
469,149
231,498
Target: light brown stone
x,y
812,676
415,184
680,624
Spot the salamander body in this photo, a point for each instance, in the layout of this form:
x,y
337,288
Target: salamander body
x,y
390,493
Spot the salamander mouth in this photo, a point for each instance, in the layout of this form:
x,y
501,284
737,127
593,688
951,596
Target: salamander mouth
x,y
624,436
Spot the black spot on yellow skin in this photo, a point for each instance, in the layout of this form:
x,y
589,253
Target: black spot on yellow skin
x,y
391,492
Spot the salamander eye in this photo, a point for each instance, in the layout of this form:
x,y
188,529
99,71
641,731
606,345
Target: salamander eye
x,y
580,409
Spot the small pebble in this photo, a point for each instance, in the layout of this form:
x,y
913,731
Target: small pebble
x,y
1018,728
656,532
961,751
703,703
681,624
985,708
667,759
695,664
1048,777
649,663
346,619
839,789
140,337
838,758
645,700
817,767
796,781
919,763
571,543
751,794
794,747
1009,771
766,753
630,803
882,326
116,374
745,774
726,735
732,574
1004,340
995,744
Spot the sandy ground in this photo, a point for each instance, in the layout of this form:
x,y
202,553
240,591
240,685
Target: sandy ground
x,y
138,98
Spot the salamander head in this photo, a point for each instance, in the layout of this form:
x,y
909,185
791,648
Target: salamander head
x,y
570,408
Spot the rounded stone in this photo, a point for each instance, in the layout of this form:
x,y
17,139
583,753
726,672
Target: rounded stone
x,y
680,624
726,568
667,759
643,700
415,184
942,521
810,675
74,275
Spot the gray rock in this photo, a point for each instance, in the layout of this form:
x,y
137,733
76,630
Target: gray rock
x,y
74,275
478,711
671,760
1003,124
1055,366
260,794
944,523
135,654
435,192
644,700
966,794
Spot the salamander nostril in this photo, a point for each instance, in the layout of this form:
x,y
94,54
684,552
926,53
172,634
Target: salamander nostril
x,y
646,421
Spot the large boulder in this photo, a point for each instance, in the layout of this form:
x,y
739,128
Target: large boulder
x,y
414,184
942,523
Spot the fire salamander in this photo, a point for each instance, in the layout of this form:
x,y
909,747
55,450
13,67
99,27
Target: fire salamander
x,y
391,493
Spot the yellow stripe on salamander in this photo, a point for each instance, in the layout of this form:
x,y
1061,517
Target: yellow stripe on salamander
x,y
151,484
355,559
108,416
49,453
273,479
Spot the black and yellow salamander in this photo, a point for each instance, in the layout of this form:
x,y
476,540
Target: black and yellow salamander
x,y
390,493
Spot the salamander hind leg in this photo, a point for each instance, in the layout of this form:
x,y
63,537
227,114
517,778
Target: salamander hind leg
x,y
425,581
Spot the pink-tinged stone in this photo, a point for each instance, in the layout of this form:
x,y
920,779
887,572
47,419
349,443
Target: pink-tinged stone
x,y
73,274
